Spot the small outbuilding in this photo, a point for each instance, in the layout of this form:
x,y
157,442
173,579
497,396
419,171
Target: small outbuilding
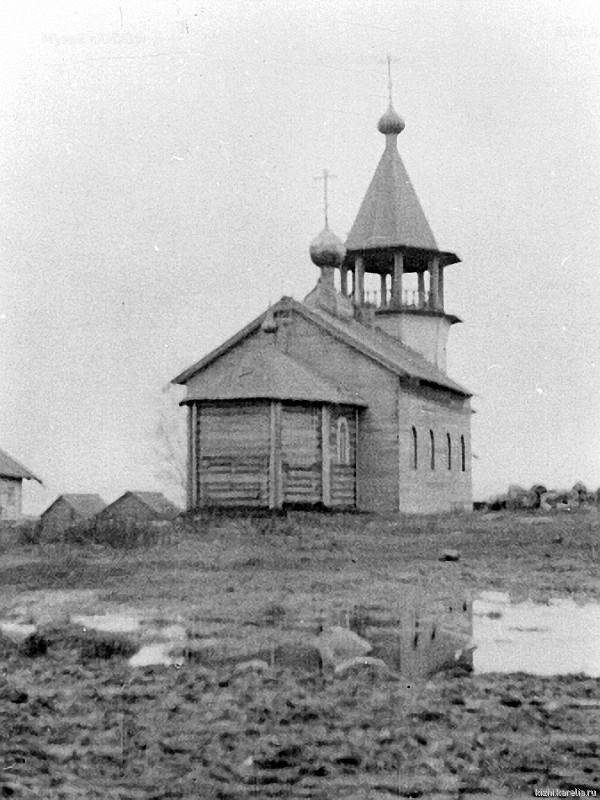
x,y
12,475
139,507
67,511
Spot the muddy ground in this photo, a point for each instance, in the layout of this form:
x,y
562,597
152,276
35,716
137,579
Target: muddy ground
x,y
76,725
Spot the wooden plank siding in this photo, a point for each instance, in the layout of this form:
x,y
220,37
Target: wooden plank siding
x,y
445,487
233,445
377,461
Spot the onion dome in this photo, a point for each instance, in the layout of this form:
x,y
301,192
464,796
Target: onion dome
x,y
391,122
327,250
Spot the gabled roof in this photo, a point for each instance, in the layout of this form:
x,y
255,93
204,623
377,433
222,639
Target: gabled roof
x,y
372,342
387,350
157,502
267,374
86,505
10,468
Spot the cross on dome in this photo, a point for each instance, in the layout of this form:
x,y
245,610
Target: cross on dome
x,y
326,250
391,123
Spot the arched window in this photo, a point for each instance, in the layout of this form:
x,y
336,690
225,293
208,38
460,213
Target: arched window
x,y
415,449
343,441
432,446
463,455
449,445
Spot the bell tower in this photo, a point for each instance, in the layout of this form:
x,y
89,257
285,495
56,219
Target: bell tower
x,y
391,239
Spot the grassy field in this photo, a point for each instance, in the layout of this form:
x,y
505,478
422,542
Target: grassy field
x,y
78,726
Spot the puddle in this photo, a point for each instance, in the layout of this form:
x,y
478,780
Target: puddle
x,y
17,631
110,623
170,636
45,606
560,638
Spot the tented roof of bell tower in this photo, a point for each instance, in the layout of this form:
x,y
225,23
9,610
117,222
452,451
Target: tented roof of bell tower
x,y
391,215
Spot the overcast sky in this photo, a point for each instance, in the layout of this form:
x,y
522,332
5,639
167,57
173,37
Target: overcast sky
x,y
157,164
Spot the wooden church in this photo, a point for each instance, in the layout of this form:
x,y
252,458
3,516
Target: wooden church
x,y
341,401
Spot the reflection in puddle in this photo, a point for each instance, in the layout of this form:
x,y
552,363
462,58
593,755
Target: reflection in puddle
x,y
559,638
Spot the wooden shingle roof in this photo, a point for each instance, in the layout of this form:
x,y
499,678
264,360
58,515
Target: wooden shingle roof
x,y
157,502
86,505
267,374
369,340
391,215
387,350
11,468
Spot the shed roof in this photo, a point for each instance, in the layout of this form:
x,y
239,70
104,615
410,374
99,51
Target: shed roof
x,y
11,468
268,374
86,505
369,340
157,502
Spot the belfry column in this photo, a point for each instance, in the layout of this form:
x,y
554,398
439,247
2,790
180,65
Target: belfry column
x,y
359,280
383,291
344,280
397,281
441,287
434,269
421,279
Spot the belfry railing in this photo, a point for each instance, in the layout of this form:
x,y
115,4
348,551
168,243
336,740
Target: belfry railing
x,y
410,300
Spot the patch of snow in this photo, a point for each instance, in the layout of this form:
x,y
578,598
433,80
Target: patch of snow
x,y
156,653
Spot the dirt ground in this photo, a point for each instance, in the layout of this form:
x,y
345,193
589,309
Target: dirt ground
x,y
74,724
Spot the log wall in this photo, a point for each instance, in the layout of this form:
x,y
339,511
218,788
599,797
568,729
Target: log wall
x,y
232,454
268,454
10,498
301,454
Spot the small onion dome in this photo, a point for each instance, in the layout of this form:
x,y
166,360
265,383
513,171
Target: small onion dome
x,y
391,122
327,250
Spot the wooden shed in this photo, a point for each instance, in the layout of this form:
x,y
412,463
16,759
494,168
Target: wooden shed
x,y
12,475
67,511
139,507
